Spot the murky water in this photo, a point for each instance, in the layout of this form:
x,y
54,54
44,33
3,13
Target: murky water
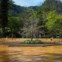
x,y
31,54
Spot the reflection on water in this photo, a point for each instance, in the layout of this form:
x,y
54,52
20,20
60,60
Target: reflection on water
x,y
31,54
3,57
3,54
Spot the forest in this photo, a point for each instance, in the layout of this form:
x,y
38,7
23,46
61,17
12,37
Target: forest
x,y
43,21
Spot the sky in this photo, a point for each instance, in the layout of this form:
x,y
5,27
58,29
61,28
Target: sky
x,y
27,3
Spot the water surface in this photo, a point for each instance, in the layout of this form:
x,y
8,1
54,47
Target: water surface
x,y
31,54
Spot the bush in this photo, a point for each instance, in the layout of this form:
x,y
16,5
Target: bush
x,y
32,42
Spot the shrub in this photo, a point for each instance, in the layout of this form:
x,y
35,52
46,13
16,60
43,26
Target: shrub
x,y
32,42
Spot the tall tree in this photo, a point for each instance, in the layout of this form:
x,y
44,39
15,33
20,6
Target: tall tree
x,y
4,15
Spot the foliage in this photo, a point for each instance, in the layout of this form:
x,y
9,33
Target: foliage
x,y
34,21
54,22
32,42
14,24
30,24
50,5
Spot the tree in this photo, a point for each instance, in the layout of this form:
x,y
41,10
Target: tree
x,y
14,25
54,22
41,23
30,25
4,15
44,9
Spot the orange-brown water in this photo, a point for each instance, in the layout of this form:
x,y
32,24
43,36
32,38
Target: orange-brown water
x,y
31,54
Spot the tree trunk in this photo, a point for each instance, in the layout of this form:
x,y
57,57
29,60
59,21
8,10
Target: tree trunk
x,y
4,15
31,35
